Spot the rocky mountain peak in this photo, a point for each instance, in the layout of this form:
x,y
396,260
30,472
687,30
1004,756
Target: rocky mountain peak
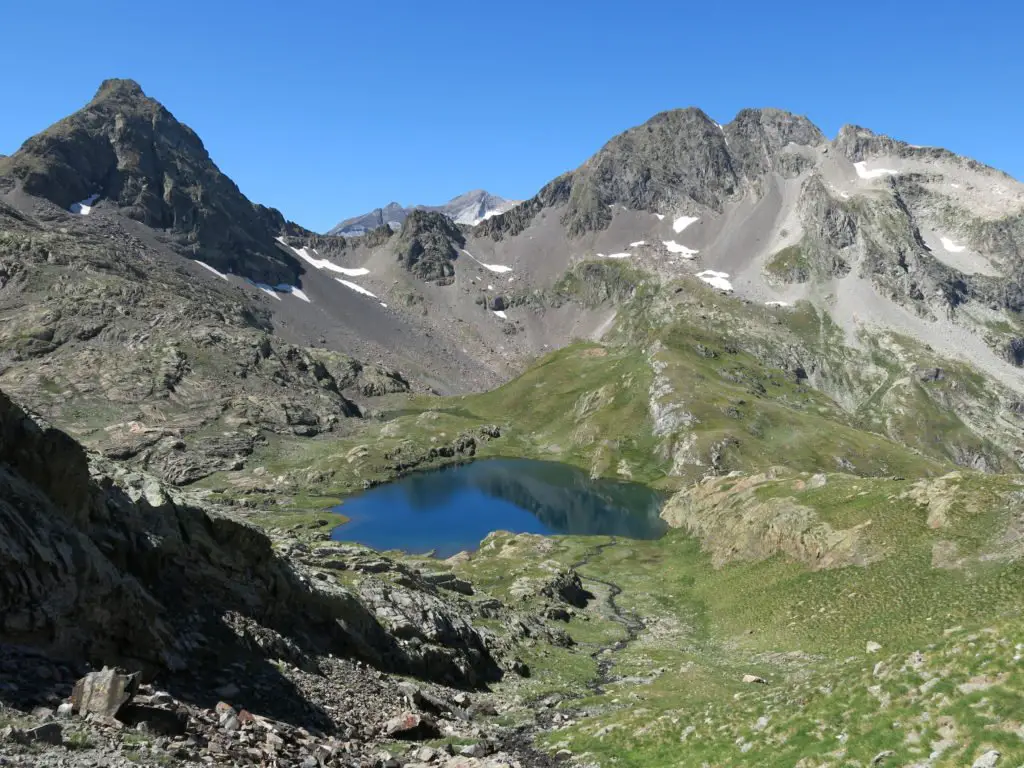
x,y
778,127
679,159
125,152
120,89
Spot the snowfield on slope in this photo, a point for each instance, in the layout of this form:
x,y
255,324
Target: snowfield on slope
x,y
952,247
678,248
84,208
267,290
719,280
303,253
356,288
874,173
498,268
218,273
683,222
294,291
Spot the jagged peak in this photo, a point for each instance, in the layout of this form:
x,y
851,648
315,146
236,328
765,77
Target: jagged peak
x,y
682,114
852,130
120,89
775,116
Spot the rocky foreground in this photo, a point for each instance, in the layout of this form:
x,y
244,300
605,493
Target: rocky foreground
x,y
140,627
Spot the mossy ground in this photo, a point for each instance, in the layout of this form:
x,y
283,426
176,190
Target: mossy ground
x,y
678,696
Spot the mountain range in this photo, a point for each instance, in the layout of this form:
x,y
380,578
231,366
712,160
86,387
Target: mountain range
x,y
470,208
812,346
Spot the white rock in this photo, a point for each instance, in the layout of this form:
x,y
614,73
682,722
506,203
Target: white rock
x,y
988,760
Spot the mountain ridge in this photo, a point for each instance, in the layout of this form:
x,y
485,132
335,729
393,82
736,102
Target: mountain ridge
x,y
468,208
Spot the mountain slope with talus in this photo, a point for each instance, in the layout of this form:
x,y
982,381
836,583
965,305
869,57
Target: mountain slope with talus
x,y
908,258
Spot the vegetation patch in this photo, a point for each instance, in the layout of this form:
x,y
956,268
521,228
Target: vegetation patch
x,y
790,265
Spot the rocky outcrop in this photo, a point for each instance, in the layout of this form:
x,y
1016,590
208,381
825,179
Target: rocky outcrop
x,y
733,523
427,245
125,150
110,567
759,140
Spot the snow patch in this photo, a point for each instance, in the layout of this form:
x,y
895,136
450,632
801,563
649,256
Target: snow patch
x,y
384,305
490,287
356,288
874,173
618,255
304,254
683,222
638,243
293,290
955,186
500,313
719,280
682,250
219,274
952,247
84,208
661,216
777,304
844,195
498,268
267,290
486,216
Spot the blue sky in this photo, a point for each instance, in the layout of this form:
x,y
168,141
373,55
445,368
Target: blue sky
x,y
328,109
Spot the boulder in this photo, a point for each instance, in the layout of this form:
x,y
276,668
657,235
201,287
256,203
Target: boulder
x,y
754,679
103,693
166,722
412,726
48,733
567,586
988,760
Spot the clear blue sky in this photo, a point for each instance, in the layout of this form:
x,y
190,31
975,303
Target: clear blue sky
x,y
328,109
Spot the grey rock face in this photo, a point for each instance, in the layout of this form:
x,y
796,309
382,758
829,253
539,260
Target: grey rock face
x,y
427,245
676,159
758,139
132,153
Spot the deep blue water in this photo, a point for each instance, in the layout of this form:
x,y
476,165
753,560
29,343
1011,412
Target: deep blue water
x,y
453,509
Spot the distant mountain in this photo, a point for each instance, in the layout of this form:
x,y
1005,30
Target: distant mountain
x,y
469,208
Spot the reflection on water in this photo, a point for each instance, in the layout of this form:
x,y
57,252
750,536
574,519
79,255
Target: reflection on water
x,y
454,509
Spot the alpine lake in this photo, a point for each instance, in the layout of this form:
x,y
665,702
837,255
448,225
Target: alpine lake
x,y
449,510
